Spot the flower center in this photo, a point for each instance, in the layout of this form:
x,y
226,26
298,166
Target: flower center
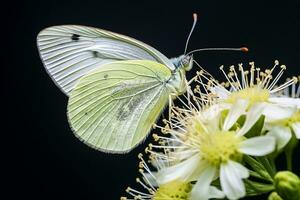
x,y
218,148
175,190
295,117
252,94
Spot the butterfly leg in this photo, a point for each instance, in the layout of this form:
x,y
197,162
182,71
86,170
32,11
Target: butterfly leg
x,y
171,106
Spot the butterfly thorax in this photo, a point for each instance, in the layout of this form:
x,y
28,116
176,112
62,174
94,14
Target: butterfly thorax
x,y
177,83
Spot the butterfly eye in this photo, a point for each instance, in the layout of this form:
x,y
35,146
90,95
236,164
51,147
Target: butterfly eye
x,y
185,61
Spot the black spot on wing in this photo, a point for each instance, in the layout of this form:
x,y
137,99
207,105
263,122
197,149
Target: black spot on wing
x,y
75,37
95,54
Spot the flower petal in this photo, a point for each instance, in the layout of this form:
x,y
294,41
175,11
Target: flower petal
x,y
215,193
258,146
182,170
231,183
242,171
201,189
237,109
296,129
220,91
210,116
286,101
251,118
150,179
281,134
275,112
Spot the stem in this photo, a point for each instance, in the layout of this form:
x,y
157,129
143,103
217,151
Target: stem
x,y
266,163
289,151
289,161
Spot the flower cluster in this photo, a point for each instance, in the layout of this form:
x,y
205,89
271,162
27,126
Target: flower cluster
x,y
221,139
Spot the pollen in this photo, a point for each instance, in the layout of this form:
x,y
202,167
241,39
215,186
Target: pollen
x,y
295,117
253,94
218,148
175,190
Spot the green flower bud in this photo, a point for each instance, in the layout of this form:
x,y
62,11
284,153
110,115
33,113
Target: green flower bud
x,y
274,196
287,185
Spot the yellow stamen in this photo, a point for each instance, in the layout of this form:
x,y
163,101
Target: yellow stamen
x,y
252,94
218,148
175,190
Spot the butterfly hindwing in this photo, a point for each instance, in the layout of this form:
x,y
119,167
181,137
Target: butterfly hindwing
x,y
114,107
71,51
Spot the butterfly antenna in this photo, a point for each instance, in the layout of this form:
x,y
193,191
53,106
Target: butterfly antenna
x,y
242,49
192,29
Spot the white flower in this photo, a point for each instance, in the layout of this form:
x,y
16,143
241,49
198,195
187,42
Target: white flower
x,y
152,190
257,87
204,149
283,129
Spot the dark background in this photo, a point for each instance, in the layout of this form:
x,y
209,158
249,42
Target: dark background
x,y
44,159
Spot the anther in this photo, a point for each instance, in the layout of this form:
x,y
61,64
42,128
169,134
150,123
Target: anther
x,y
155,137
283,67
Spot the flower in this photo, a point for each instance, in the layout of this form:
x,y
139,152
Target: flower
x,y
205,146
175,190
256,87
284,129
279,104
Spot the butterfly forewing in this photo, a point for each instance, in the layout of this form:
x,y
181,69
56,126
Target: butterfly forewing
x,y
114,107
70,52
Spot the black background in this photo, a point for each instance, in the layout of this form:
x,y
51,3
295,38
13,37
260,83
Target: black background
x,y
45,160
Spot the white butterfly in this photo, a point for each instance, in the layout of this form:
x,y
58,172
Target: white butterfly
x,y
117,86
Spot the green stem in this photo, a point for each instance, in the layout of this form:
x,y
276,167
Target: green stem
x,y
266,163
289,161
289,149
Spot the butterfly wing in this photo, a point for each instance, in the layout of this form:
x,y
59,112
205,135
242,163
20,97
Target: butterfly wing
x,y
113,108
69,52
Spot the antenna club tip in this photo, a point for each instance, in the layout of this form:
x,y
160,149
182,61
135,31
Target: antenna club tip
x,y
244,49
195,16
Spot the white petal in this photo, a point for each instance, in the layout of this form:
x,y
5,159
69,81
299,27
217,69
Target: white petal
x,y
231,183
215,193
210,116
242,171
296,129
235,112
286,101
182,170
275,112
181,155
258,146
200,190
198,171
220,91
251,118
151,179
281,134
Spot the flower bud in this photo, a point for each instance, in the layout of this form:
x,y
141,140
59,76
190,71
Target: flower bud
x,y
287,185
274,196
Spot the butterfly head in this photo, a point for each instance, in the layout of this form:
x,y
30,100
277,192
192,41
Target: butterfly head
x,y
187,62
184,62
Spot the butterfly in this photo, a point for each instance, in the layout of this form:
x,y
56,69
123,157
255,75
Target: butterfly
x,y
117,86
